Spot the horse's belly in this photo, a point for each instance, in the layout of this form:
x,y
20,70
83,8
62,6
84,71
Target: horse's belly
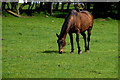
x,y
83,29
73,30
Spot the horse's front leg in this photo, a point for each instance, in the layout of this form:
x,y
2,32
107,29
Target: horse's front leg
x,y
77,40
84,37
71,41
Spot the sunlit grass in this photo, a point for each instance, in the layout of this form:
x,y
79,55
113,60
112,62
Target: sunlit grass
x,y
30,50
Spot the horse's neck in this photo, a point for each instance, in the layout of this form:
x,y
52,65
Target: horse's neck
x,y
65,27
64,30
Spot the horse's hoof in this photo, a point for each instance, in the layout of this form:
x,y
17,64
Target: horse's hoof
x,y
87,51
60,52
80,52
72,52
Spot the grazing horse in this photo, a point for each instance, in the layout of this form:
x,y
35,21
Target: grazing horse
x,y
75,22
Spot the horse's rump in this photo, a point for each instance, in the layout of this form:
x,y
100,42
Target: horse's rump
x,y
79,20
87,17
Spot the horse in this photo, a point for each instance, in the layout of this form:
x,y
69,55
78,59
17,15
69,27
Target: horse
x,y
76,22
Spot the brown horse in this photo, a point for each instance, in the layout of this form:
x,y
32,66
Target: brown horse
x,y
75,22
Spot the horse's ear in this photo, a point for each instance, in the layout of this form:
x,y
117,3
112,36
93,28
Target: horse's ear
x,y
57,35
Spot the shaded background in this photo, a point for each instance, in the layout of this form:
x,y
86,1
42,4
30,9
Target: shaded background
x,y
58,9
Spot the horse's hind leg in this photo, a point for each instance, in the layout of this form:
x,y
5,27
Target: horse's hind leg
x,y
89,34
71,41
77,40
84,37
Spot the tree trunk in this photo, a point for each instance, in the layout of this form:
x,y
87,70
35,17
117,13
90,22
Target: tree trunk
x,y
88,6
4,4
48,7
57,6
62,8
41,6
14,5
22,5
68,6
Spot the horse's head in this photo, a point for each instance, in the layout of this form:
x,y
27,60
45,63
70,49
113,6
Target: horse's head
x,y
61,43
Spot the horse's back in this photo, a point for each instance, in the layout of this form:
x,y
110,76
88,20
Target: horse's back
x,y
84,16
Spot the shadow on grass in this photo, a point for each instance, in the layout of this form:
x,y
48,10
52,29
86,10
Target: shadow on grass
x,y
50,51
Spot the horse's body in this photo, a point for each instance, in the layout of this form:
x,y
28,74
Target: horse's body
x,y
75,22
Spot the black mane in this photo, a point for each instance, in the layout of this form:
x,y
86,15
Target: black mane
x,y
66,22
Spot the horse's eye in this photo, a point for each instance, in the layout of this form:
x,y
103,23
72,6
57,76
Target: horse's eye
x,y
62,41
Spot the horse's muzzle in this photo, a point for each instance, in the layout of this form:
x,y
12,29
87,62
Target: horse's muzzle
x,y
61,51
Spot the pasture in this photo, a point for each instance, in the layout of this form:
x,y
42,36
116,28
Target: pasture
x,y
29,49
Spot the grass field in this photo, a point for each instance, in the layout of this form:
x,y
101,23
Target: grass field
x,y
30,50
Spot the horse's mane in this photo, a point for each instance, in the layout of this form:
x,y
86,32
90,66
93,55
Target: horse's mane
x,y
65,24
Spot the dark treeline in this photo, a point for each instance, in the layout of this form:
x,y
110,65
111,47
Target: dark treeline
x,y
106,9
98,9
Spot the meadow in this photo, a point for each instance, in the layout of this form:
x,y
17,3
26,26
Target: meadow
x,y
29,49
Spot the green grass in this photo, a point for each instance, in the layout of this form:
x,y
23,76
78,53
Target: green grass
x,y
30,50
